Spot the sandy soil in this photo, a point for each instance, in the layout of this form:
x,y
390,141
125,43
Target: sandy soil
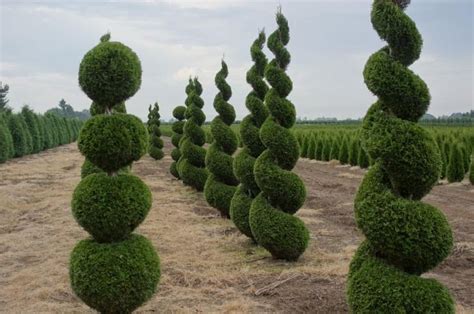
x,y
207,265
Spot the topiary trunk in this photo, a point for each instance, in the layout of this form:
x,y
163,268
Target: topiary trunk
x,y
221,182
155,149
283,192
191,166
177,128
116,270
404,236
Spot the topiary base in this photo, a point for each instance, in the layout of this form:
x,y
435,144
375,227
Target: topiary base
x,y
114,277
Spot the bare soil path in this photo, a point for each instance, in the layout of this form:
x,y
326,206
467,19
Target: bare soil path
x,y
207,266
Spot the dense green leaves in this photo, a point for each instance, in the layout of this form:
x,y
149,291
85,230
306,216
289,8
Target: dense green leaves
x,y
155,149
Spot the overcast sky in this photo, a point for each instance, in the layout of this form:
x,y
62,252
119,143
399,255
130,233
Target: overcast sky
x,y
43,42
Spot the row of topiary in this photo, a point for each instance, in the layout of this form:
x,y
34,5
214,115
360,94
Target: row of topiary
x,y
27,132
269,194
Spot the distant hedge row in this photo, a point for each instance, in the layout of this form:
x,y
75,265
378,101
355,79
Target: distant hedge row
x,y
27,132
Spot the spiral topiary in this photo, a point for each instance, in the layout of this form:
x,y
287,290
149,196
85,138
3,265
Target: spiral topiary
x,y
115,271
283,192
191,165
221,182
252,145
177,128
155,149
404,236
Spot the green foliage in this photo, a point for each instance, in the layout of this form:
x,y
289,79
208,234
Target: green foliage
x,y
155,148
110,73
353,151
191,165
282,191
455,171
22,141
3,97
177,128
344,151
32,124
221,183
404,236
96,109
6,140
114,277
249,134
110,207
471,170
113,141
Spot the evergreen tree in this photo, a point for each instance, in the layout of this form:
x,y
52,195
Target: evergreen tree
x,y
6,148
455,171
319,147
191,166
404,236
344,151
116,270
22,142
335,147
33,127
353,150
362,159
326,148
312,147
156,143
471,170
252,144
221,182
177,128
3,97
283,192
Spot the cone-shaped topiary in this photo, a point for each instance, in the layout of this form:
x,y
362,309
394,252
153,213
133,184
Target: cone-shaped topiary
x,y
191,165
177,128
252,145
32,123
155,149
353,150
471,170
312,146
22,141
405,237
283,193
116,271
6,148
344,151
221,182
455,170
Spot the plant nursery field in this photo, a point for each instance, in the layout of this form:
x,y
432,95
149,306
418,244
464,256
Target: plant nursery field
x,y
207,265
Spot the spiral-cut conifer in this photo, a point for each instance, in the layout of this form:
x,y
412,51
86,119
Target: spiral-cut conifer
x,y
155,149
282,191
405,237
177,128
191,166
221,182
252,145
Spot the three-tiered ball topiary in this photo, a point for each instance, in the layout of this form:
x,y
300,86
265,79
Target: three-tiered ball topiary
x,y
155,148
405,237
115,271
221,182
283,193
191,166
177,128
252,145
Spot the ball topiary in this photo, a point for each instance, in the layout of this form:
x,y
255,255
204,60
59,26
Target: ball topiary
x,y
221,182
191,165
155,148
405,237
110,73
177,128
455,170
114,277
283,192
110,207
113,141
252,145
116,271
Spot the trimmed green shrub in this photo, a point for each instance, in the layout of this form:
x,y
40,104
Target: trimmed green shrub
x,y
283,192
191,166
221,183
327,143
116,271
155,149
455,171
252,145
33,127
471,170
110,207
404,236
318,154
6,148
96,109
335,147
344,151
312,146
110,73
22,142
363,159
114,277
177,128
113,141
353,151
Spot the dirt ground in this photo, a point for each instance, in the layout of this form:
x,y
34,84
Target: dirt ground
x,y
207,265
